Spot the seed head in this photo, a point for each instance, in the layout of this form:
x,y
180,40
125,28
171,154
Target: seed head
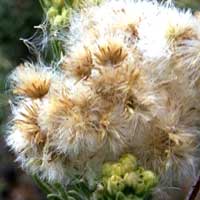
x,y
79,63
31,81
110,53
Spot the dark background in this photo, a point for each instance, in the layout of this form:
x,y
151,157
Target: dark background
x,y
17,18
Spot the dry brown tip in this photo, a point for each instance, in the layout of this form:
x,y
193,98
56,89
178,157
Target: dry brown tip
x,y
177,34
132,28
60,105
35,89
32,83
165,146
114,84
28,124
110,53
80,64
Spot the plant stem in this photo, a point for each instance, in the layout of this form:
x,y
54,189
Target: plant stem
x,y
194,190
42,5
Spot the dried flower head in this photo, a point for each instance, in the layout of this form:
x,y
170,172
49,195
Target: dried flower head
x,y
79,63
111,53
164,151
27,123
176,33
31,81
116,84
129,82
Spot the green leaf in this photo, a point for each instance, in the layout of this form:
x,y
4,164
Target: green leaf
x,y
62,191
72,198
76,194
120,196
44,186
54,197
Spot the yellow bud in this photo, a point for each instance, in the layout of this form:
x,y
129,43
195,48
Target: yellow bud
x,y
131,179
58,3
115,184
140,170
58,21
52,12
105,181
107,170
140,187
149,178
117,169
47,3
129,162
65,12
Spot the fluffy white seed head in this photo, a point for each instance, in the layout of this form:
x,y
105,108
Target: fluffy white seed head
x,y
129,82
31,80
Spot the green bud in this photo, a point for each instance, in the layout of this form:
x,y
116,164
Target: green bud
x,y
65,12
58,21
107,170
47,3
117,169
99,193
129,162
140,170
52,12
115,184
149,178
131,179
58,3
105,181
140,187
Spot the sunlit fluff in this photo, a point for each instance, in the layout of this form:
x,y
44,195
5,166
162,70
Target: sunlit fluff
x,y
128,82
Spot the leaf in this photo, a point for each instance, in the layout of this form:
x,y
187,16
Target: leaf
x,y
120,196
44,186
76,194
71,198
54,197
62,191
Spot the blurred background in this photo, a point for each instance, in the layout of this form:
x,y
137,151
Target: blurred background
x,y
17,19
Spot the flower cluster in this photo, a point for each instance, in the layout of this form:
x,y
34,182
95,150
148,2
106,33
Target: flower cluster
x,y
126,179
59,12
128,82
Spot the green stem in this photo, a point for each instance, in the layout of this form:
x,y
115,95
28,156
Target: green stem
x,y
45,187
42,5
